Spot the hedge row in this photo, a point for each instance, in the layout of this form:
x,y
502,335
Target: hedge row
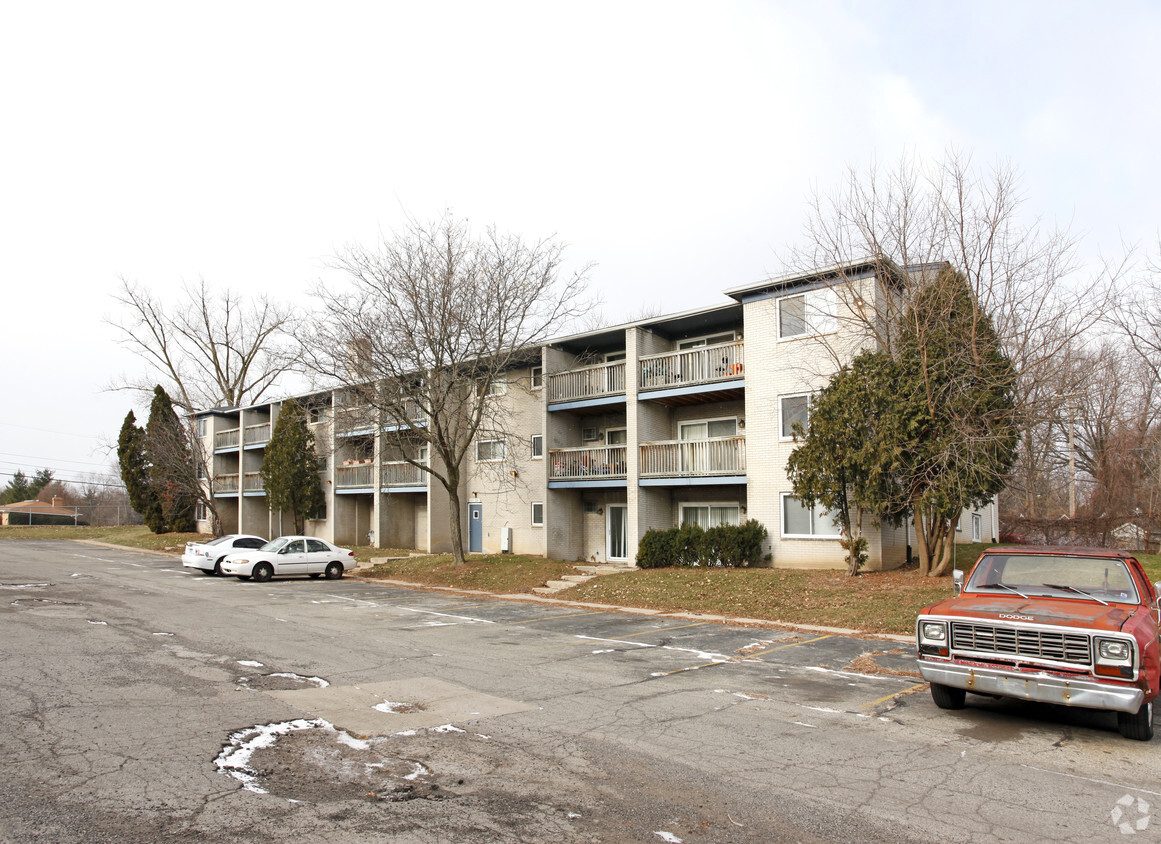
x,y
690,545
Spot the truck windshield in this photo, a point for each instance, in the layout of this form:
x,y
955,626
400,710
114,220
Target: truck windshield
x,y
1060,575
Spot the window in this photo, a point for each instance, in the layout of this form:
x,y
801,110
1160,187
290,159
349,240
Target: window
x,y
537,446
710,515
798,521
199,512
617,436
494,387
710,429
977,527
536,379
317,415
316,546
490,451
537,514
807,313
794,409
712,340
200,471
202,426
613,357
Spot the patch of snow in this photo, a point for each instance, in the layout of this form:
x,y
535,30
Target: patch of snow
x,y
481,735
605,651
23,585
389,706
668,836
162,634
235,756
574,815
318,681
405,733
419,771
352,742
249,663
446,728
102,623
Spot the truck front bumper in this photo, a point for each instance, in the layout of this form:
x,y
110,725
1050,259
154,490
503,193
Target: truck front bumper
x,y
1046,688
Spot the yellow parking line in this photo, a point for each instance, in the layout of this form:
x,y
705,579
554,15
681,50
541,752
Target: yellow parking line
x,y
789,645
665,629
886,698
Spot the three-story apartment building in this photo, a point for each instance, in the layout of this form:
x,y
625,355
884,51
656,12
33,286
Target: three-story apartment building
x,y
677,419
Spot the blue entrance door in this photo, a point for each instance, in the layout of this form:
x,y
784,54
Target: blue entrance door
x,y
475,527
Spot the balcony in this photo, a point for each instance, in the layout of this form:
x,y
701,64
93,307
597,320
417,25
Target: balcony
x,y
587,464
255,435
718,458
590,382
354,419
359,476
411,412
226,485
399,473
692,367
252,482
227,439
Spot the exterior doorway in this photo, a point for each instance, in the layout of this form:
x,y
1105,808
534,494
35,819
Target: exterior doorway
x,y
617,533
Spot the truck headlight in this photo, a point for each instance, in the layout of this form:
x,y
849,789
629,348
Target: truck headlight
x,y
1114,650
934,631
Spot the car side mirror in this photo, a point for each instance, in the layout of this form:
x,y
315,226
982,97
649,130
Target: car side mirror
x,y
957,580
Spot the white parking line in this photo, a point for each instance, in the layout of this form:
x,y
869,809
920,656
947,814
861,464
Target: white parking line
x,y
1090,779
466,618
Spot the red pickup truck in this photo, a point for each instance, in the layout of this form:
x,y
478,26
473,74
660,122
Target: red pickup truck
x,y
1070,626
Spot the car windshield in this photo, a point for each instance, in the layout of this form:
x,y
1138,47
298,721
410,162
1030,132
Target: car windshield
x,y
1060,575
274,544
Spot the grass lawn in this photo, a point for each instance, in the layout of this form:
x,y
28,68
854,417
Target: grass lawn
x,y
877,602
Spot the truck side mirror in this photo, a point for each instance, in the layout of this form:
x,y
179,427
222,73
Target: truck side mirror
x,y
957,580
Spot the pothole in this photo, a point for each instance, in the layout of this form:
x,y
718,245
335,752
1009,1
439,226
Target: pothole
x,y
399,708
281,681
312,761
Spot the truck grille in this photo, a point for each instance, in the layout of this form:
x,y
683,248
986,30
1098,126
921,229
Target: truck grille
x,y
1010,641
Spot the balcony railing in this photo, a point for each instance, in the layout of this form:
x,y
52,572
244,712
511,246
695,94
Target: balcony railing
x,y
692,366
703,458
252,482
227,439
401,473
226,483
256,434
587,463
604,379
354,419
361,476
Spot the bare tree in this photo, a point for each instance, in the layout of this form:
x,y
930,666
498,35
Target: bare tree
x,y
209,349
432,321
909,222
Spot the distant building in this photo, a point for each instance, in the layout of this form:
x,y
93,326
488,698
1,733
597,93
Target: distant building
x,y
36,512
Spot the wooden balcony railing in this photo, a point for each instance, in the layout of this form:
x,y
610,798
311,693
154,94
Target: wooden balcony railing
x,y
256,434
252,482
604,379
226,483
587,463
401,473
692,366
360,476
694,458
227,439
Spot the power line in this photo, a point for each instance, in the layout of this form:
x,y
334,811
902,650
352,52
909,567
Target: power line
x,y
49,459
68,481
47,431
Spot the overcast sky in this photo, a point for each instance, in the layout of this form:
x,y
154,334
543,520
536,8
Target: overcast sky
x,y
672,144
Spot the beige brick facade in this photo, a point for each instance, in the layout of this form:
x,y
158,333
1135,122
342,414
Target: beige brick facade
x,y
637,426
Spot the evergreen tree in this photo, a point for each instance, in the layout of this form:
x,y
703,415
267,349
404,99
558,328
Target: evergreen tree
x,y
133,458
17,489
171,464
290,469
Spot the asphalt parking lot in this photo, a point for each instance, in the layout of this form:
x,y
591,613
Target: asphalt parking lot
x,y
139,700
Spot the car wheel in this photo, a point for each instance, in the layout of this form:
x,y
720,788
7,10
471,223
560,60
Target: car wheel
x,y
218,567
334,571
262,572
947,697
1137,726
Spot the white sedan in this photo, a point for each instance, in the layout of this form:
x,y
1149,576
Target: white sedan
x,y
208,556
290,555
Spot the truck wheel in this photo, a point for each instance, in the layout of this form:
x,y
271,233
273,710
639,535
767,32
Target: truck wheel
x,y
947,697
1138,727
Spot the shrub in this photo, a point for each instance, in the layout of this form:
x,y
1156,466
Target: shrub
x,y
689,545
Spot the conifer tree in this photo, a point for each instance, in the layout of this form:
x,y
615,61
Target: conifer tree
x,y
290,468
171,464
133,458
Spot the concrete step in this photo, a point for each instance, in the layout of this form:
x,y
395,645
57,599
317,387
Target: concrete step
x,y
577,578
559,584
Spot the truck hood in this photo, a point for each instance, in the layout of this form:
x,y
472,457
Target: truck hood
x,y
1059,612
